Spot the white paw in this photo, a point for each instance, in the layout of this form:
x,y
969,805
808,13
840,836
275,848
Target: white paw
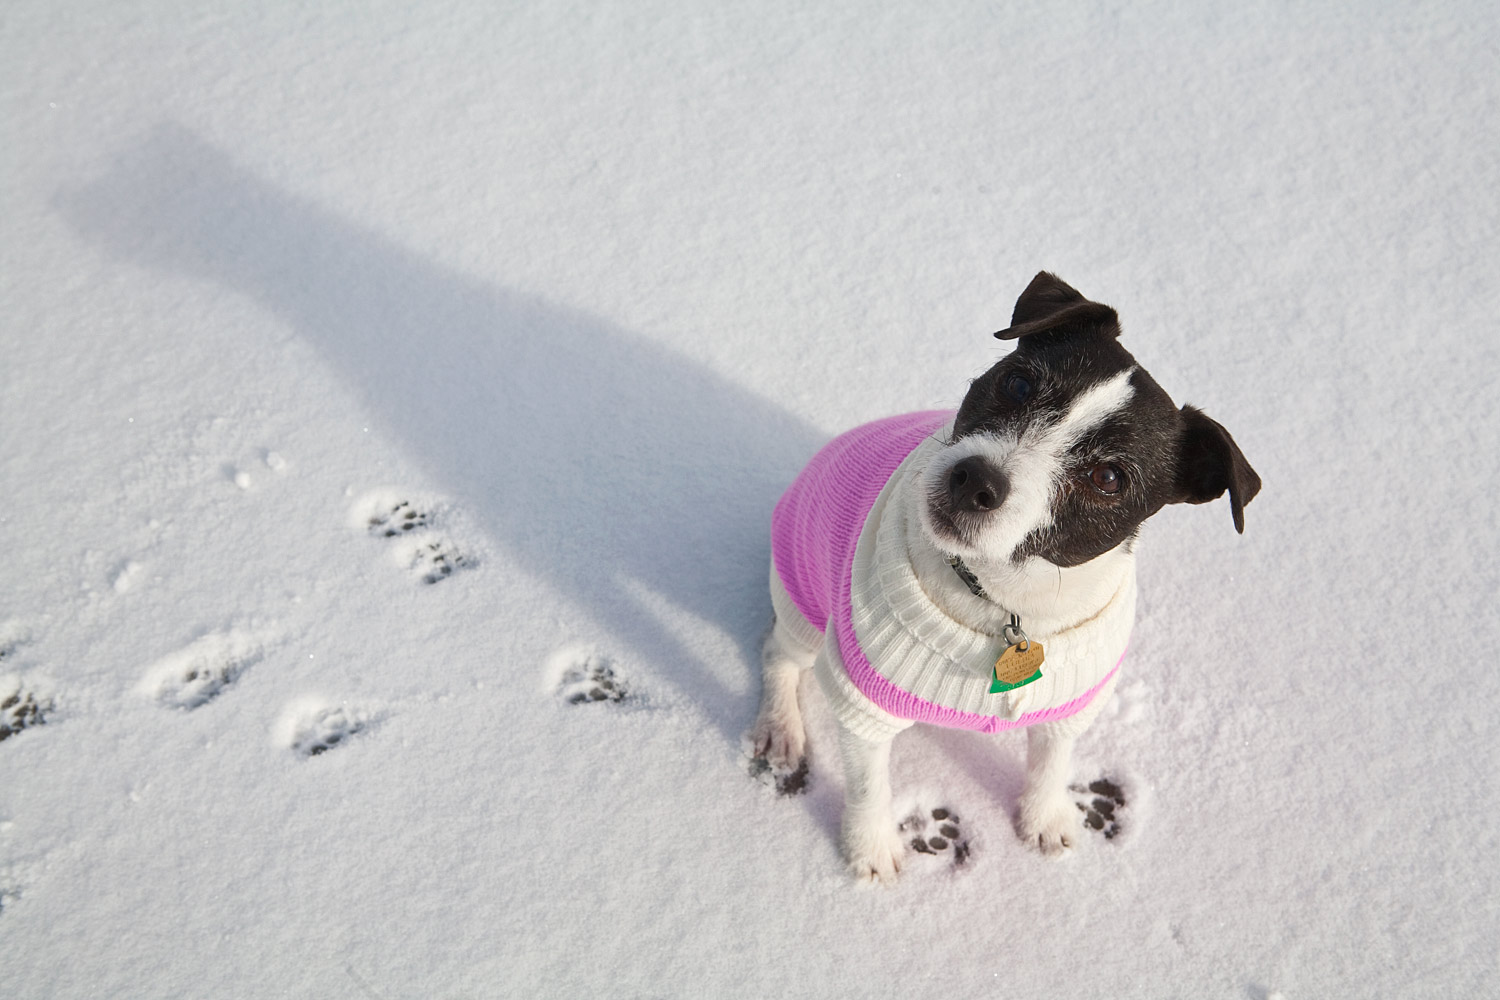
x,y
779,739
1049,823
872,845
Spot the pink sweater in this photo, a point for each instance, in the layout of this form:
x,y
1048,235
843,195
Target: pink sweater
x,y
814,531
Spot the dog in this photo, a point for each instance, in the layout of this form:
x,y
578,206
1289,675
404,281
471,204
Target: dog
x,y
977,569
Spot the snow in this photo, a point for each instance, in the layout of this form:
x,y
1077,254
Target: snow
x,y
584,286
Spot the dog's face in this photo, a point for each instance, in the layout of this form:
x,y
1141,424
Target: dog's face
x,y
1063,448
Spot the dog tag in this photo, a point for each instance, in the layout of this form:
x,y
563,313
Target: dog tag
x,y
1018,666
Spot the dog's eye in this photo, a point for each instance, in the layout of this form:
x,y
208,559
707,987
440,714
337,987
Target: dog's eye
x,y
1106,478
1018,387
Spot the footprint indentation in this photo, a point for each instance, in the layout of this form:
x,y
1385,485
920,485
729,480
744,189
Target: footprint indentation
x,y
1101,803
21,709
401,518
21,706
436,560
592,679
787,782
197,674
8,895
412,527
313,728
937,832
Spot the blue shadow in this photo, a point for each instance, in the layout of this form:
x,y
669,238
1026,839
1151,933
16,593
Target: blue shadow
x,y
597,460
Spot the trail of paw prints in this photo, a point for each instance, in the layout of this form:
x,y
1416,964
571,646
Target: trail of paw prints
x,y
1101,803
431,557
786,781
412,528
937,833
312,727
198,673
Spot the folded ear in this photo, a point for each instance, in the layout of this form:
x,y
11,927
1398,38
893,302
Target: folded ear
x,y
1050,303
1209,462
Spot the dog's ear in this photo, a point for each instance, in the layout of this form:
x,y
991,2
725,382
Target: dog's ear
x,y
1050,303
1209,462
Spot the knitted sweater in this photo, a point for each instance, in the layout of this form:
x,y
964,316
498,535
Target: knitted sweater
x,y
842,576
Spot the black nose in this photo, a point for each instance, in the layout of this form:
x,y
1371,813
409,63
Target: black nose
x,y
976,486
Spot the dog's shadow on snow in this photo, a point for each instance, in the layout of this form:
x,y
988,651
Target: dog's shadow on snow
x,y
621,473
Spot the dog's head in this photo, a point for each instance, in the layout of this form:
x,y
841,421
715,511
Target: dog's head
x,y
1064,447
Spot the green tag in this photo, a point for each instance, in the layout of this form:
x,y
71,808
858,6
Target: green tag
x,y
1017,667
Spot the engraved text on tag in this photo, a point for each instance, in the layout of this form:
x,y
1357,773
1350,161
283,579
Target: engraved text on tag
x,y
1019,665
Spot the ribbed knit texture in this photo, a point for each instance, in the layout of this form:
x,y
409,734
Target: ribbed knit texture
x,y
817,522
841,560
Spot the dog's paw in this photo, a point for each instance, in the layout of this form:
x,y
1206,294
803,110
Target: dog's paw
x,y
1101,803
779,739
778,749
872,846
1049,823
937,832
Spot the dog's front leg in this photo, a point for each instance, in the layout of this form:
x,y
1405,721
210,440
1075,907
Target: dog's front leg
x,y
1049,819
777,735
870,840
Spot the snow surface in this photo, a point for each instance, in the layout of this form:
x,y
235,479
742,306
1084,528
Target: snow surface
x,y
582,286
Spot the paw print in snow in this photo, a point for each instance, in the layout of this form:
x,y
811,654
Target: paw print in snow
x,y
436,560
315,730
410,526
20,709
592,679
403,517
787,782
197,674
936,832
1100,803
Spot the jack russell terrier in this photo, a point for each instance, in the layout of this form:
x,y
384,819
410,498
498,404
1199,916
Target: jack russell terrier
x,y
977,569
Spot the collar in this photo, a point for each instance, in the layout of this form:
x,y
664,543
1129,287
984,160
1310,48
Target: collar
x,y
1012,633
967,576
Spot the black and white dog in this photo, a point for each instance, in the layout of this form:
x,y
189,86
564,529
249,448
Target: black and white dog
x,y
977,569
